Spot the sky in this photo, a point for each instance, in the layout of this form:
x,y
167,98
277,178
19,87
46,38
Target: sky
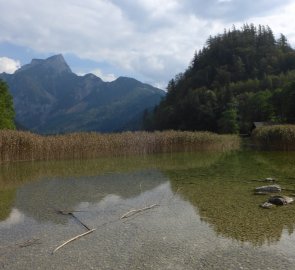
x,y
149,40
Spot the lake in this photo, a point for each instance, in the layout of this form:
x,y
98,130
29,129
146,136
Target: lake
x,y
197,211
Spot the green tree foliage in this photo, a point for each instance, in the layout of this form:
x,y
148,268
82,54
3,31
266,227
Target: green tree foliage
x,y
6,108
247,65
228,122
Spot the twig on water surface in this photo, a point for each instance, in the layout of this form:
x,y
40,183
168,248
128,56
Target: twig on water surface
x,y
67,212
126,215
73,239
135,211
71,213
84,225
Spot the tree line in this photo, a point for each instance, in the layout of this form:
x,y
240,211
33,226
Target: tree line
x,y
6,108
239,77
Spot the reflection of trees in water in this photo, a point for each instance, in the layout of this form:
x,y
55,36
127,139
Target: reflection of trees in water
x,y
15,175
283,163
6,201
224,198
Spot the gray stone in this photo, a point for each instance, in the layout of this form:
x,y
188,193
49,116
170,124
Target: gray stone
x,y
267,205
280,200
269,189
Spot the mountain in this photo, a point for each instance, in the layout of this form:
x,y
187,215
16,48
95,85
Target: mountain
x,y
50,98
240,77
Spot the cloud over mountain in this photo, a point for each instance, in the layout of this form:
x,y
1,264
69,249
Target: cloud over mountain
x,y
8,65
147,39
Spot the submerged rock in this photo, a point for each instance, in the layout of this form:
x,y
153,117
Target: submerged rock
x,y
260,193
270,179
277,200
280,200
269,189
267,179
266,205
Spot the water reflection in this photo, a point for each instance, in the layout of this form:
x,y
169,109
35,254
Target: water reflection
x,y
41,199
218,185
208,217
14,218
13,176
224,196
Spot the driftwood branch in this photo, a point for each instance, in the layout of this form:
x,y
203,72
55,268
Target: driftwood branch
x,y
73,239
83,224
135,211
71,213
67,212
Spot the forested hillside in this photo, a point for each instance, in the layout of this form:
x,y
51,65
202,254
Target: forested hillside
x,y
6,108
240,76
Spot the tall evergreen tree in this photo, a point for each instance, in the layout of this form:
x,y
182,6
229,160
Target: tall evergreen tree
x,y
6,108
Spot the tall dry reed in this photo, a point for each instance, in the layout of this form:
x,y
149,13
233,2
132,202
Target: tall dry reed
x,y
19,145
277,137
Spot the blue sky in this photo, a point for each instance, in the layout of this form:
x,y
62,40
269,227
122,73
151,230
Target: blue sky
x,y
150,40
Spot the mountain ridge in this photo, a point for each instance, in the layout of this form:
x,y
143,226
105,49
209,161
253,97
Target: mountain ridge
x,y
50,98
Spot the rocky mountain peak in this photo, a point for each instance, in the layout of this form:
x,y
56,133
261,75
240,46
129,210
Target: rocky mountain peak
x,y
55,62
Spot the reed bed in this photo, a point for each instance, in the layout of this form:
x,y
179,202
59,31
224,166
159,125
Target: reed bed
x,y
25,146
277,137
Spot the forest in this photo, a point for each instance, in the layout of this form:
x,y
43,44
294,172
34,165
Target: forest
x,y
239,77
6,108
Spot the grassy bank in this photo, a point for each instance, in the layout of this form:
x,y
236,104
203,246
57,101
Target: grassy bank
x,y
18,145
277,137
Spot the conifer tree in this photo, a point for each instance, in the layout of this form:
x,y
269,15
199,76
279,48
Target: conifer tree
x,y
6,108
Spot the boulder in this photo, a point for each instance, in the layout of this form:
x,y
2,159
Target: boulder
x,y
280,200
269,189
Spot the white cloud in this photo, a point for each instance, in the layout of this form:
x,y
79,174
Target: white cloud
x,y
280,22
105,77
9,65
151,39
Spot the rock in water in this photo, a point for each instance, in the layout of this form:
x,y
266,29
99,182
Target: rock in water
x,y
269,189
266,205
269,179
280,200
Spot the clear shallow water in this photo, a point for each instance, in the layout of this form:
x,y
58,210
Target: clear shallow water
x,y
207,218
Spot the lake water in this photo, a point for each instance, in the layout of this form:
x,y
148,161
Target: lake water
x,y
206,217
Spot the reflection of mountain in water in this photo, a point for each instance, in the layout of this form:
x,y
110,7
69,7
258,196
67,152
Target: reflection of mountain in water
x,y
15,175
39,199
224,197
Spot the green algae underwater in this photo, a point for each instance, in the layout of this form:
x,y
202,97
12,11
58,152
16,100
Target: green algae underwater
x,y
219,185
207,216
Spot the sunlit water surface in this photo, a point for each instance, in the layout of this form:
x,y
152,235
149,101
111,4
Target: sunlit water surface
x,y
207,215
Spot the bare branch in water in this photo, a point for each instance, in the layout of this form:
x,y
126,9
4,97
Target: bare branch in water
x,y
135,211
73,239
